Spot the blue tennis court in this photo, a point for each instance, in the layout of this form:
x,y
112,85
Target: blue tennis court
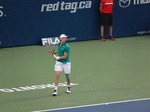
x,y
139,105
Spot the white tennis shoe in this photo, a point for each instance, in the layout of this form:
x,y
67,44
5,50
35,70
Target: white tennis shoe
x,y
55,93
68,90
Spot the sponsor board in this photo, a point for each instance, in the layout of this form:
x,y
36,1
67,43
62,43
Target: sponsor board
x,y
127,3
54,40
72,7
143,32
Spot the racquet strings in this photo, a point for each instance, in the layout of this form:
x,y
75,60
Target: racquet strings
x,y
50,48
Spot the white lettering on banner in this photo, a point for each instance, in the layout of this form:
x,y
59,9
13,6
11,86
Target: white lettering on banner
x,y
1,12
54,40
50,7
34,87
124,3
127,3
143,32
70,6
141,2
49,41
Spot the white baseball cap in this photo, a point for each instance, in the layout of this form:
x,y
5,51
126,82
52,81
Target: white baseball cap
x,y
63,35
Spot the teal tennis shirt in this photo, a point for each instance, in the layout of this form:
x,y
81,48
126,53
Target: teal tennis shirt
x,y
61,50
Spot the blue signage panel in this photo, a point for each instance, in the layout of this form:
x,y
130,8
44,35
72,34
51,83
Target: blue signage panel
x,y
25,22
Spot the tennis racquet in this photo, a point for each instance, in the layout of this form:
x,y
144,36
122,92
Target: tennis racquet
x,y
51,48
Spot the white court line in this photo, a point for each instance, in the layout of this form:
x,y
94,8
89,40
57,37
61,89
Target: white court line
x,y
125,101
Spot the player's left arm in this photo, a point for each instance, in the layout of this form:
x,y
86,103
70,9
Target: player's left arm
x,y
61,57
64,56
66,52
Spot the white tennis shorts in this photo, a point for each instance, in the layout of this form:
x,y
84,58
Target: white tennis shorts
x,y
63,67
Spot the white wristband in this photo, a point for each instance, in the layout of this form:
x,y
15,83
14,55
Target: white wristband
x,y
56,57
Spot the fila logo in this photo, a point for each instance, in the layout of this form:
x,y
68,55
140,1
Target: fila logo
x,y
124,3
49,41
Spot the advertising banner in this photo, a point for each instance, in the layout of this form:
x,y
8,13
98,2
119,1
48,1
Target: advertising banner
x,y
26,22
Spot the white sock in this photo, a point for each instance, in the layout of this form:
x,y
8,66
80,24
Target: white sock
x,y
56,87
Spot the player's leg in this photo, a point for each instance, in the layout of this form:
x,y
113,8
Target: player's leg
x,y
110,30
68,79
102,28
102,33
110,16
58,69
68,83
67,71
56,82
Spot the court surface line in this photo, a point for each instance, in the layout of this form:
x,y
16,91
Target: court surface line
x,y
125,101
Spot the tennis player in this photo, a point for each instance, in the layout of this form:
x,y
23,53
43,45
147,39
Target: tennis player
x,y
62,63
106,10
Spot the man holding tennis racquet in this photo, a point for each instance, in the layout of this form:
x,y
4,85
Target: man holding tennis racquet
x,y
62,63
